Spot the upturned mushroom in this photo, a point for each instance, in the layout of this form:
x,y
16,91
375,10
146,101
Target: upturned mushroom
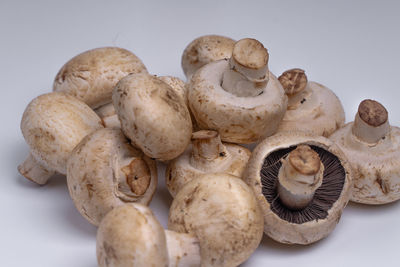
x,y
203,50
373,149
153,116
215,221
302,183
104,171
238,97
52,125
206,154
311,106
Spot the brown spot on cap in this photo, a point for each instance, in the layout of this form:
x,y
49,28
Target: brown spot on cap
x,y
372,112
293,81
305,160
250,53
137,176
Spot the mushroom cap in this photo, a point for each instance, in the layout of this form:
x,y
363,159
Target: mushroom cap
x,y
222,212
53,124
92,75
130,235
177,84
99,173
376,167
277,224
204,50
316,109
180,171
237,119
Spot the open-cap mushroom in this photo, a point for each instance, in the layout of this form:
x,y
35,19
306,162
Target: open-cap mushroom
x,y
373,149
203,50
104,171
92,75
302,183
206,154
239,97
153,116
52,125
311,106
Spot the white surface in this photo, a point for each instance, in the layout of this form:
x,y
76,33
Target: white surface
x,y
350,46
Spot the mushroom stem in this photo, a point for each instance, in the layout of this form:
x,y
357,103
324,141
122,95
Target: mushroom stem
x,y
183,249
248,69
207,146
299,177
108,116
371,122
34,171
135,178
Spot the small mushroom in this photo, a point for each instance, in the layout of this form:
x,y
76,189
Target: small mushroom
x,y
239,97
302,183
153,116
373,149
52,125
92,75
207,154
311,106
203,50
104,171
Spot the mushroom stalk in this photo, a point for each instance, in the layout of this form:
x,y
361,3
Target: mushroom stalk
x,y
183,249
248,73
207,145
371,122
34,171
299,177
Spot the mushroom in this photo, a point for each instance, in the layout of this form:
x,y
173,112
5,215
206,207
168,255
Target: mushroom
x,y
207,154
302,183
311,106
203,50
104,171
153,116
373,149
52,125
239,98
215,221
92,75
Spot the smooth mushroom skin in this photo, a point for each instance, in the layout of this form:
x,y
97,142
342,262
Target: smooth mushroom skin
x,y
153,116
206,154
204,50
92,75
243,104
52,125
373,149
222,212
278,228
312,107
104,171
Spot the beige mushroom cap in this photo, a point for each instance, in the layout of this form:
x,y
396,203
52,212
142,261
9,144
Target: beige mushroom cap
x,y
92,75
312,107
104,171
221,211
203,50
153,116
52,125
265,161
129,236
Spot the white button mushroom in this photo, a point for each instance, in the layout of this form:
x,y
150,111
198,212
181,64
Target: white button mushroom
x,y
207,154
52,125
203,50
104,171
373,149
239,98
153,116
302,183
311,107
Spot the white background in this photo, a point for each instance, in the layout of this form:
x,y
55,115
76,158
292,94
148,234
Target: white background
x,y
353,47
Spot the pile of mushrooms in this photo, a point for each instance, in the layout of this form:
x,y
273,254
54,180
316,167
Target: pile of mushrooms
x,y
108,122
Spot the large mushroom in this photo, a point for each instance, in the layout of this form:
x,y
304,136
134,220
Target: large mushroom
x,y
302,183
311,106
104,171
373,149
52,125
239,97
